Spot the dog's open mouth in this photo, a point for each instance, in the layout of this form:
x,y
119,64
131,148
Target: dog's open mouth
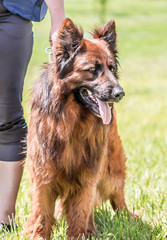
x,y
98,107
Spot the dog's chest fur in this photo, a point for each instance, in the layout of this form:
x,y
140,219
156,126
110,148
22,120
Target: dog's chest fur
x,y
81,158
83,148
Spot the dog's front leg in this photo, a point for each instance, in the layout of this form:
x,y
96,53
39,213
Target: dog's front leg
x,y
42,210
78,209
91,224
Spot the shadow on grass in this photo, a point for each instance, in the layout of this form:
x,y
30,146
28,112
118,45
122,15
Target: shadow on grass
x,y
112,226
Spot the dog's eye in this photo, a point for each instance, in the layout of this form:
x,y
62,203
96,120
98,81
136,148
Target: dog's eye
x,y
92,69
112,69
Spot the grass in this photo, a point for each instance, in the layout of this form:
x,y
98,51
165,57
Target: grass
x,y
142,38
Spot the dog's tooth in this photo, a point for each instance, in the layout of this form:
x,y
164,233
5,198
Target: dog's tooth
x,y
89,92
91,96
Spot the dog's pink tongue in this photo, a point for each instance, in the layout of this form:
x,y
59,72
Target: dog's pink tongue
x,y
105,111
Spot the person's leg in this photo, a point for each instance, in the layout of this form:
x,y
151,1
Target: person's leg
x,y
16,42
10,175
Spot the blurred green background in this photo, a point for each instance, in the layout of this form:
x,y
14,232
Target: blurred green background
x,y
142,114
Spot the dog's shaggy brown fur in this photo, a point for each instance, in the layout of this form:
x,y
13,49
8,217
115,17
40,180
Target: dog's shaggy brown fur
x,y
74,151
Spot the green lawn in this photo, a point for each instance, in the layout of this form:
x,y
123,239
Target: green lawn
x,y
142,114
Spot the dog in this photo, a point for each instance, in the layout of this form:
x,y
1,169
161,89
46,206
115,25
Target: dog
x,y
74,151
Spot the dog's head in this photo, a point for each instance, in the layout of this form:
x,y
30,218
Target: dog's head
x,y
89,67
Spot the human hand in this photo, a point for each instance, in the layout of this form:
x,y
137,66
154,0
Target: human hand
x,y
53,33
57,14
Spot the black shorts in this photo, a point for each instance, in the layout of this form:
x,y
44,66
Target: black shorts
x,y
16,42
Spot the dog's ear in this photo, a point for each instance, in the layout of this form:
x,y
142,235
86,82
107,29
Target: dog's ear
x,y
107,33
67,42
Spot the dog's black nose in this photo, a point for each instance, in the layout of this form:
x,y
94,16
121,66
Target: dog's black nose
x,y
118,93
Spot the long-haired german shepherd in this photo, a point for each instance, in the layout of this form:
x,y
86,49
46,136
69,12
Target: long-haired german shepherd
x,y
74,151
